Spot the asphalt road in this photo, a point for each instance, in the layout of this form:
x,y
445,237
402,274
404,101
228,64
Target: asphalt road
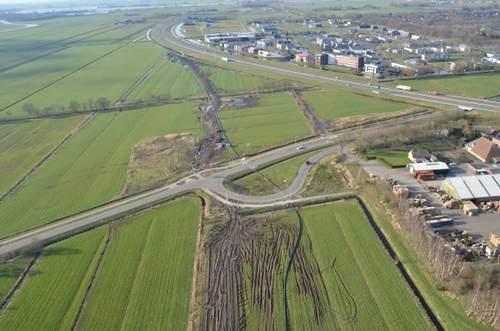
x,y
211,181
170,36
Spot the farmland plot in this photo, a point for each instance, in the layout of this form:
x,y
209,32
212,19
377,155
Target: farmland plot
x,y
169,80
105,78
145,281
230,81
275,120
90,169
23,145
53,292
334,104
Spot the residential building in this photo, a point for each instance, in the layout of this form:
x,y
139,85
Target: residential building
x,y
434,57
321,59
351,61
372,69
302,57
485,149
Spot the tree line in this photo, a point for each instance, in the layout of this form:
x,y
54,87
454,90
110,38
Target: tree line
x,y
100,103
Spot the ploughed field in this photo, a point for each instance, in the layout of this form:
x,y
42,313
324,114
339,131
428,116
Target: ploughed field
x,y
328,271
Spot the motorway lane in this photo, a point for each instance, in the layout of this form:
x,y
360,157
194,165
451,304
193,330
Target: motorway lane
x,y
168,36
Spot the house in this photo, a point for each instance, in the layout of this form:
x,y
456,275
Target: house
x,y
302,57
419,155
372,69
485,149
313,25
432,57
493,248
321,59
263,43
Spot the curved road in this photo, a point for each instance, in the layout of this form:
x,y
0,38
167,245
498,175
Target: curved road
x,y
169,36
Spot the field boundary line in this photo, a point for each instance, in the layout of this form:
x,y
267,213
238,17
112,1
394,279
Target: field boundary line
x,y
191,323
63,47
47,156
66,75
18,284
91,281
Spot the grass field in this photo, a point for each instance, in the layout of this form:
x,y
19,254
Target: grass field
x,y
326,177
23,145
281,174
449,310
91,168
274,121
145,281
334,104
362,282
10,271
51,296
105,78
169,80
230,81
393,158
477,86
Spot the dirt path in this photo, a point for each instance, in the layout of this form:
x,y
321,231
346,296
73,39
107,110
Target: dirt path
x,y
319,126
214,132
14,188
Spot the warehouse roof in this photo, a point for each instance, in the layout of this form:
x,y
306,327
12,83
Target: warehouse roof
x,y
428,166
475,187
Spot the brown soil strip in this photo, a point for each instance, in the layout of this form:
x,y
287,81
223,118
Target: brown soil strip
x,y
318,125
14,188
20,281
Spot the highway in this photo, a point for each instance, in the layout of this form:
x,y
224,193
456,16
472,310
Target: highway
x,y
170,36
212,180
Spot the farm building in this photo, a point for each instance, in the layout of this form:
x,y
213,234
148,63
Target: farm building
x,y
486,149
428,170
479,188
419,155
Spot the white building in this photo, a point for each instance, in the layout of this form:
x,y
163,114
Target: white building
x,y
374,69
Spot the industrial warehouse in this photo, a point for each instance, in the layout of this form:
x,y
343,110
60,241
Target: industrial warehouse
x,y
478,188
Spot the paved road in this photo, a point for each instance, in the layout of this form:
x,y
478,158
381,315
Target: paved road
x,y
170,36
210,180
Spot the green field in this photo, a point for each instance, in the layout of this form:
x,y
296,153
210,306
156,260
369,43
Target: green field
x,y
450,311
362,283
476,86
23,145
230,81
281,174
275,120
393,158
10,271
105,78
334,104
169,80
53,292
91,168
146,277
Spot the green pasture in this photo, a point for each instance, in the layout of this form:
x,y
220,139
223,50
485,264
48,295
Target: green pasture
x,y
169,80
91,168
146,276
334,104
51,296
476,86
275,120
22,145
230,81
393,158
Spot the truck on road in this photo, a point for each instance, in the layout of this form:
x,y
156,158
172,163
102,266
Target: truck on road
x,y
404,87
